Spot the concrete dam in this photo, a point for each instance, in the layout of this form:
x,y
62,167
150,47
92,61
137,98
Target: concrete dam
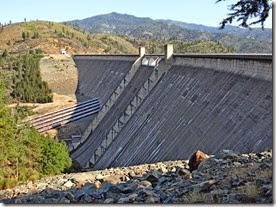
x,y
165,107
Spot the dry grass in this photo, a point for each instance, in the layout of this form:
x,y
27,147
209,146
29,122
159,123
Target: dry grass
x,y
250,189
51,42
61,74
199,198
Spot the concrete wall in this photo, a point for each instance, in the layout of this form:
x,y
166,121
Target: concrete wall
x,y
86,150
98,76
204,102
112,99
257,66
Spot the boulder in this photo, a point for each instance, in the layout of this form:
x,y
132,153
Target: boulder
x,y
68,184
109,200
202,186
226,154
196,159
133,197
123,200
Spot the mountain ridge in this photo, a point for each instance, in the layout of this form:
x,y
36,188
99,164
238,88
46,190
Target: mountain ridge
x,y
147,28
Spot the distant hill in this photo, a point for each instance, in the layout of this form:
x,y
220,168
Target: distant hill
x,y
255,33
115,23
50,38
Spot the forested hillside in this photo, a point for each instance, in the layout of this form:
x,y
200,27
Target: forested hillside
x,y
22,77
26,155
241,40
254,33
49,38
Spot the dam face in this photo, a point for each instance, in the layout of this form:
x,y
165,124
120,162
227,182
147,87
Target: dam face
x,y
97,77
183,104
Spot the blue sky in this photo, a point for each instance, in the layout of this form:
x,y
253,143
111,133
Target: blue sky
x,y
204,12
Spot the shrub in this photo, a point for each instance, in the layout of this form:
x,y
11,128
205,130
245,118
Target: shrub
x,y
54,157
25,153
7,183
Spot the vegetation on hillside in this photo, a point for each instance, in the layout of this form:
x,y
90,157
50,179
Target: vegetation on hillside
x,y
147,28
51,37
23,78
181,46
36,35
26,155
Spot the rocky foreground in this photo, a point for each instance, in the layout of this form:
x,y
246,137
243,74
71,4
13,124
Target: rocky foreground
x,y
225,177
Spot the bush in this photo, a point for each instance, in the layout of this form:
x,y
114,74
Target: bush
x,y
54,157
7,183
25,153
38,51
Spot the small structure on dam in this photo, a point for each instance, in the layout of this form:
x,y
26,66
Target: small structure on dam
x,y
165,107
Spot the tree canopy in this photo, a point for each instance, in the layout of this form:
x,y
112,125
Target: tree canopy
x,y
245,10
24,153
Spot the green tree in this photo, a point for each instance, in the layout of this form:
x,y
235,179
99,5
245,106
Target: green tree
x,y
23,36
26,154
55,157
5,53
244,10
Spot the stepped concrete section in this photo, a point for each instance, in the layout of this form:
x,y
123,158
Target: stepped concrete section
x,y
206,102
137,100
98,76
111,100
84,152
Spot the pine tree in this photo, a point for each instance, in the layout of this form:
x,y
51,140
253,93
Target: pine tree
x,y
23,36
5,53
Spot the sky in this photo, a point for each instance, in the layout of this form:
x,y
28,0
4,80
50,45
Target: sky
x,y
205,12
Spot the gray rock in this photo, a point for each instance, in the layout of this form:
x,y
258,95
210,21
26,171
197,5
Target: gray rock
x,y
133,197
241,198
161,181
109,200
123,200
152,199
70,196
207,164
127,190
163,196
145,183
63,200
79,193
236,164
68,184
107,187
48,200
86,199
225,154
201,186
96,195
